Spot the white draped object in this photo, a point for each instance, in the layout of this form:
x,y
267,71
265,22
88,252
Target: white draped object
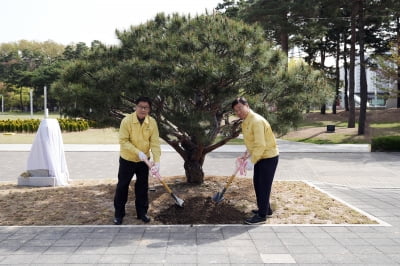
x,y
47,153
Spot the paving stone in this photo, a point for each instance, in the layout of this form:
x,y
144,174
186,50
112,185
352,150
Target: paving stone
x,y
180,259
115,259
213,259
83,258
277,258
51,259
316,258
237,244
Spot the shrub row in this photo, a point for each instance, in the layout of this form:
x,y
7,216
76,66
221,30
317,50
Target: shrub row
x,y
70,125
386,143
32,125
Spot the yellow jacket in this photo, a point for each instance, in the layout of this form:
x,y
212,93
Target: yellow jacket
x,y
258,137
135,137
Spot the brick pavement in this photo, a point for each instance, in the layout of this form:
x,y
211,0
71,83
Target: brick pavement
x,y
367,181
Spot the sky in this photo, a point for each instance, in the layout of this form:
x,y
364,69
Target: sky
x,y
72,21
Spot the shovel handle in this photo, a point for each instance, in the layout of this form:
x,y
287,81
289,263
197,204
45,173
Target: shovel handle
x,y
159,177
166,186
230,180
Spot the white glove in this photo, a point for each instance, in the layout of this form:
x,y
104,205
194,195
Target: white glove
x,y
155,168
142,156
249,165
246,155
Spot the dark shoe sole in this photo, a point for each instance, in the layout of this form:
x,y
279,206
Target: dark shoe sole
x,y
117,221
255,223
256,219
256,212
144,218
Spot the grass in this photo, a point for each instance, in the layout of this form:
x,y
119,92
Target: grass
x,y
324,123
23,116
91,136
386,125
311,130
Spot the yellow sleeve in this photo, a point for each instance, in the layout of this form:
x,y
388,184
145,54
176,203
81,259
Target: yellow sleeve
x,y
155,143
259,142
124,138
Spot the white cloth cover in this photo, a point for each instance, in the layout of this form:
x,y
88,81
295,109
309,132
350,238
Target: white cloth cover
x,y
47,152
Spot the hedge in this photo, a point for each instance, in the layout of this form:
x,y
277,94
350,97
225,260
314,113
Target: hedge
x,y
32,125
386,143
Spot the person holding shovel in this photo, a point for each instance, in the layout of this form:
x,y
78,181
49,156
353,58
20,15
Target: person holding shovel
x,y
138,135
262,151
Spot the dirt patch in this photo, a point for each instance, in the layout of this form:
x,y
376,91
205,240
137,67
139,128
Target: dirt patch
x,y
90,202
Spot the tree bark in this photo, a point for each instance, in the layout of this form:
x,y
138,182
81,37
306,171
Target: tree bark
x,y
194,158
284,39
194,172
352,112
323,107
346,78
363,77
337,70
21,103
398,66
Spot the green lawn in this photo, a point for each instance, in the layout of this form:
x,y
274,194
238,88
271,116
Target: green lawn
x,y
342,134
110,135
23,116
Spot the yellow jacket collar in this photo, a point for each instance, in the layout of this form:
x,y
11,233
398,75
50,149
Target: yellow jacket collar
x,y
136,120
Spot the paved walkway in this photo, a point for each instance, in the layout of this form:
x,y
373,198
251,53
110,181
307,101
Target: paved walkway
x,y
369,182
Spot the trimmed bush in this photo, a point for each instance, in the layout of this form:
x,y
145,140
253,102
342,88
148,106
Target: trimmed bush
x,y
32,125
18,125
386,143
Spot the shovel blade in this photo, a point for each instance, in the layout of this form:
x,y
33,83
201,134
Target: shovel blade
x,y
178,201
218,197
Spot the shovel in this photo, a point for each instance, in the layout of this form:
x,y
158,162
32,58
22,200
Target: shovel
x,y
240,166
177,200
219,196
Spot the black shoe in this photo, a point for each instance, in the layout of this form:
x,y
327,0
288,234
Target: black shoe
x,y
255,211
146,219
256,219
117,221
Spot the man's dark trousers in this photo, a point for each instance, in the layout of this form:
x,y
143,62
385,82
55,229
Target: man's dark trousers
x,y
125,174
264,172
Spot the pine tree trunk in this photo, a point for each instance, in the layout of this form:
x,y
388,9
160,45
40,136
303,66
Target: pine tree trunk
x,y
363,77
194,172
337,84
398,66
352,109
194,158
323,107
284,39
346,76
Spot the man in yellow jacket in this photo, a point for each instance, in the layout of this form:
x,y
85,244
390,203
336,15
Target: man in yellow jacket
x,y
138,135
262,151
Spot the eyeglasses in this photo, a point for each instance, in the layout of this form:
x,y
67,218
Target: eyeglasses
x,y
144,108
239,108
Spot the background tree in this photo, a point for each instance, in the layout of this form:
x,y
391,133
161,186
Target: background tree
x,y
391,34
86,85
363,75
25,64
193,68
386,67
